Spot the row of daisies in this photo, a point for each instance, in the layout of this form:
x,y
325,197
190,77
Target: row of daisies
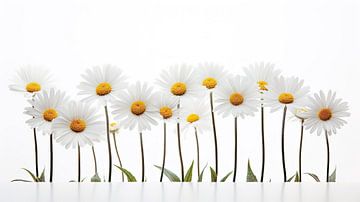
x,y
189,97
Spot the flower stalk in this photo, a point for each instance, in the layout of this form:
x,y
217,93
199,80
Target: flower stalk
x,y
164,155
214,132
118,155
108,142
283,143
235,151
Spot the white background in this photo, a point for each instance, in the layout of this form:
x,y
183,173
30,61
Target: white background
x,y
316,40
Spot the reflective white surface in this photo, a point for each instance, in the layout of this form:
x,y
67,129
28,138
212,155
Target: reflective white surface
x,y
178,192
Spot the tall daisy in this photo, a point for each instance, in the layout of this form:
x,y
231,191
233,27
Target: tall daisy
x,y
31,80
210,75
285,93
44,111
135,110
326,114
195,114
102,84
262,74
166,107
78,125
238,97
180,82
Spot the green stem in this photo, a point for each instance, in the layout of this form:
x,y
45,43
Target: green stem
x,y
142,159
214,131
79,164
36,154
51,158
198,152
164,155
108,142
95,161
235,151
118,155
328,156
179,147
300,148
263,143
283,143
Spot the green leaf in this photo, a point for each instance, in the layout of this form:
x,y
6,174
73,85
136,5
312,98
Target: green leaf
x,y
332,177
20,180
42,176
291,178
213,174
31,174
169,174
226,176
129,176
315,177
188,176
297,177
202,174
250,177
95,178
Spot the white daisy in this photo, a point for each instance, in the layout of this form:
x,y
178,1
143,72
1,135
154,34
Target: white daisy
x,y
179,81
31,79
195,114
78,124
102,84
289,92
45,109
262,74
209,75
166,107
237,96
326,113
135,109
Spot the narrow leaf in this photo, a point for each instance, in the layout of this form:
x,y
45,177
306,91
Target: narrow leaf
x,y
202,174
332,177
250,177
315,177
188,176
130,177
42,176
20,180
213,174
95,178
169,174
291,178
31,174
297,177
226,176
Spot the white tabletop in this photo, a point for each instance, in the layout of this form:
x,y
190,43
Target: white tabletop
x,y
176,192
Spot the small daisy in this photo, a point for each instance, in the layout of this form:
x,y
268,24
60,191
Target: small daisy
x,y
179,81
45,109
135,110
237,96
196,115
114,127
326,114
289,92
31,80
78,124
262,74
102,84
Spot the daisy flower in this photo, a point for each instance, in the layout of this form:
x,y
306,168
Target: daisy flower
x,y
326,114
45,109
102,83
31,80
209,76
135,110
262,74
196,114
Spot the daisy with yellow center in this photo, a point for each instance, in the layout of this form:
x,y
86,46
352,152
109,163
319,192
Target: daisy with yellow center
x,y
209,76
135,110
78,125
195,114
262,74
180,82
102,84
236,96
44,111
326,114
285,93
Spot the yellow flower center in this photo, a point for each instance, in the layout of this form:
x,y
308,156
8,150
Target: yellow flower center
x,y
209,83
236,99
113,124
179,88
103,88
166,112
33,87
262,85
325,114
286,98
50,114
78,125
138,107
192,118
